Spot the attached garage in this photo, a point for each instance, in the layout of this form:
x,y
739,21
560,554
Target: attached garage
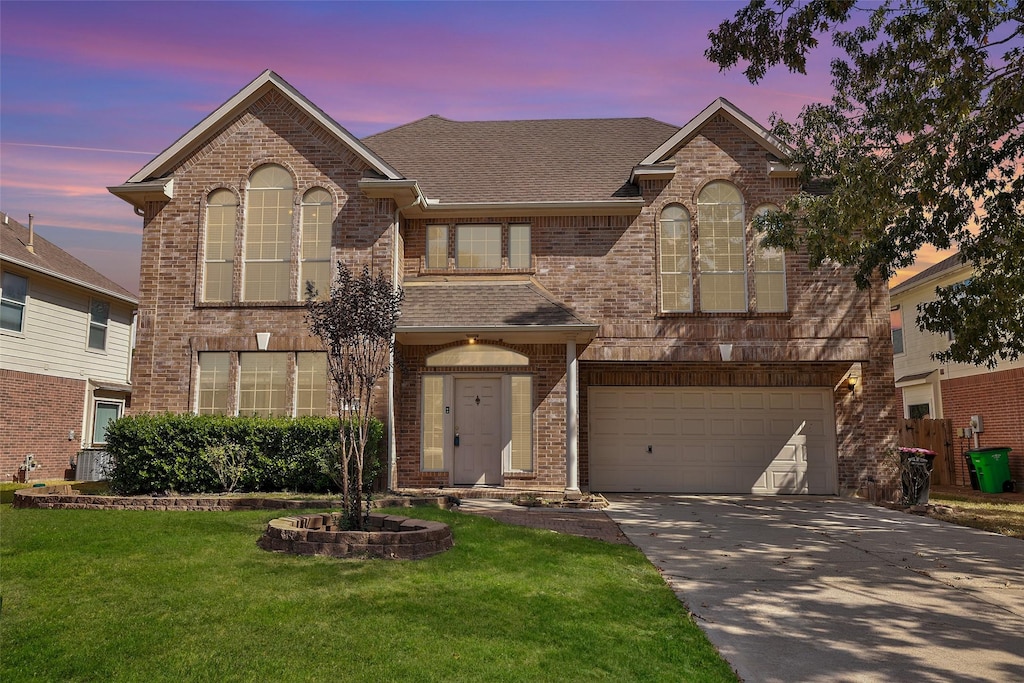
x,y
712,440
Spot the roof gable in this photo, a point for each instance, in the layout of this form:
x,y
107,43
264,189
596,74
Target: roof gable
x,y
265,82
756,131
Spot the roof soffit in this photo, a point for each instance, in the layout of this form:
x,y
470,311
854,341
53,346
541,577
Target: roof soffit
x,y
264,83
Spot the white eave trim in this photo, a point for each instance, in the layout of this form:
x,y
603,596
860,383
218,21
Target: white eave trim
x,y
652,172
264,83
70,280
137,194
723,106
781,169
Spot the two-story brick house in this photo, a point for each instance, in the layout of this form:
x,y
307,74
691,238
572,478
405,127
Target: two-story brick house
x,y
587,304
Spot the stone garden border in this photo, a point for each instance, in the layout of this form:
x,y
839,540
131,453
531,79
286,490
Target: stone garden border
x,y
390,537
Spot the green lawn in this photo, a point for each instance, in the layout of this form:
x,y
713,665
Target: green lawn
x,y
178,596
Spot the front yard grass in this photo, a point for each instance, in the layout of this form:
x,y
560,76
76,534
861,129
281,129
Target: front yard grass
x,y
1004,517
179,596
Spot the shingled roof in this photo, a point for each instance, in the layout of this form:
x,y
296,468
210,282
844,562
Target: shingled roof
x,y
521,161
49,259
484,304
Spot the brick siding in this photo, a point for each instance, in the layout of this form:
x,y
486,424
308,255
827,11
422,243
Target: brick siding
x,y
37,413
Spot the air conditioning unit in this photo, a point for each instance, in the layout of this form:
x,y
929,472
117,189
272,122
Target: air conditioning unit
x,y
92,465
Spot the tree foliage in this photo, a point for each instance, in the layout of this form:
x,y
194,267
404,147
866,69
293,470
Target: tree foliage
x,y
921,144
356,324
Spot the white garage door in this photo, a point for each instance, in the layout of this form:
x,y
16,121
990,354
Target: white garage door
x,y
712,440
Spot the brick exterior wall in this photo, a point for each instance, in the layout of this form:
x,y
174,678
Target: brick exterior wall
x,y
37,413
606,267
998,397
174,324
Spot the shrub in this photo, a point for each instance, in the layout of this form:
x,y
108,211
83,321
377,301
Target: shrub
x,y
172,452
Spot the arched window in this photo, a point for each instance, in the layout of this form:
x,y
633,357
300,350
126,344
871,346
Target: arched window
x,y
476,355
268,235
769,271
315,256
722,248
219,259
676,271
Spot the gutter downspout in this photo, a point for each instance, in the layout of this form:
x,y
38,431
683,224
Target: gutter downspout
x,y
392,446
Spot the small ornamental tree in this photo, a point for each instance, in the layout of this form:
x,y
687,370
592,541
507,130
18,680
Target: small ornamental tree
x,y
356,324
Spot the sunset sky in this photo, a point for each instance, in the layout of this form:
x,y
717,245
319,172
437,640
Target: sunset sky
x,y
91,91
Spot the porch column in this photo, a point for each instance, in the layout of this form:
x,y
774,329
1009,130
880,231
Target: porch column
x,y
572,427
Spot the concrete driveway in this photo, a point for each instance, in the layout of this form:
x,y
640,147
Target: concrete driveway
x,y
824,589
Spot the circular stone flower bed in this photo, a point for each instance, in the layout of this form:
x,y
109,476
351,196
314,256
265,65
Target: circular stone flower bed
x,y
390,537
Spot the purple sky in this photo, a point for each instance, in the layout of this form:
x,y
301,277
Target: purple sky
x,y
91,91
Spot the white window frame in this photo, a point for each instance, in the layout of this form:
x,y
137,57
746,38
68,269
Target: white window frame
x,y
7,301
705,221
103,326
96,401
686,239
228,243
248,259
307,205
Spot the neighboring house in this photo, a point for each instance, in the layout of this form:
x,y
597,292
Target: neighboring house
x,y
954,391
587,305
65,354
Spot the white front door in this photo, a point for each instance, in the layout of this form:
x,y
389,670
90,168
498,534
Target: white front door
x,y
477,455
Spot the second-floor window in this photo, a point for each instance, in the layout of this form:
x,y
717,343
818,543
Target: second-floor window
x,y
485,246
722,246
268,235
13,294
769,271
676,277
896,325
315,259
99,317
221,220
276,263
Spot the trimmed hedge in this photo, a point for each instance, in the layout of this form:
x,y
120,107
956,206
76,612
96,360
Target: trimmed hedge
x,y
159,453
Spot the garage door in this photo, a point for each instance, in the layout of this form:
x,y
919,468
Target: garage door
x,y
712,440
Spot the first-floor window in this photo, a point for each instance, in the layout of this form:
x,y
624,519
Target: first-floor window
x,y
311,384
104,412
262,383
521,456
433,423
214,369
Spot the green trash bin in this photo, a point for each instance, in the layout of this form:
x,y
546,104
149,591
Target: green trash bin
x,y
993,467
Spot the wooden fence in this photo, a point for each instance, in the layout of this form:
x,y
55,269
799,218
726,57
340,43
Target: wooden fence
x,y
935,435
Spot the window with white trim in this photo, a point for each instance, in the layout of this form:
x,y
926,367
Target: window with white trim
x,y
676,273
219,256
896,327
262,383
315,255
310,384
99,319
104,412
13,297
769,271
721,244
214,383
268,235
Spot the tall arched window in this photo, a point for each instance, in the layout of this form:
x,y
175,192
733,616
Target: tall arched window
x,y
268,235
676,271
769,271
315,256
219,259
722,248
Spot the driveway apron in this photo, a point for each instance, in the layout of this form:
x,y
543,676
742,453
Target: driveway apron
x,y
825,589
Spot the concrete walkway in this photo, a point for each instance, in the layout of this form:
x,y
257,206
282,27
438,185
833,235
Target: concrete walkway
x,y
823,589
